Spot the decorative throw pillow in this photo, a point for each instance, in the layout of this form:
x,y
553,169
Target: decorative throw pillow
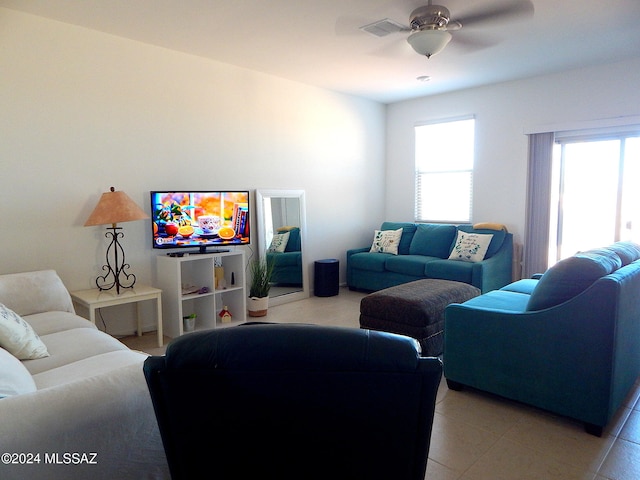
x,y
18,338
386,241
15,379
408,230
497,241
470,247
279,242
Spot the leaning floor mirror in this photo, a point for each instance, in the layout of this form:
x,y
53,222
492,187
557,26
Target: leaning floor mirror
x,y
281,239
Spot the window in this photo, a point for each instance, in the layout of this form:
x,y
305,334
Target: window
x,y
444,154
594,186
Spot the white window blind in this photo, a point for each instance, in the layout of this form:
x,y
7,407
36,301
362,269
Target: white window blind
x,y
444,155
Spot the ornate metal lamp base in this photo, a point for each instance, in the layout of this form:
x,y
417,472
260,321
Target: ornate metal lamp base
x,y
115,275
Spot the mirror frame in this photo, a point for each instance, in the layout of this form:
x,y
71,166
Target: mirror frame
x,y
261,196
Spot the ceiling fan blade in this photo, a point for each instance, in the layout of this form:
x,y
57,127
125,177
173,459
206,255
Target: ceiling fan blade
x,y
472,43
453,25
394,50
499,11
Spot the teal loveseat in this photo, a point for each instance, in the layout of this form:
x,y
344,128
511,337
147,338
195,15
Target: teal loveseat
x,y
287,265
567,341
423,252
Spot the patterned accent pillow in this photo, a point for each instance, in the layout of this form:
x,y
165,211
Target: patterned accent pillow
x,y
279,242
386,241
18,338
470,247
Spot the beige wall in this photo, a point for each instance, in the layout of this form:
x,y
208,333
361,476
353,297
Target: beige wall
x,y
504,112
81,111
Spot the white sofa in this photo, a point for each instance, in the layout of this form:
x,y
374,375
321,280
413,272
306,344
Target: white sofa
x,y
90,416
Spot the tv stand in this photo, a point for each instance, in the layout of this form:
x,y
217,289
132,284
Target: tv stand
x,y
178,277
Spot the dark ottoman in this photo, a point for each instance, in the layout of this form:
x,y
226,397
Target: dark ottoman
x,y
415,309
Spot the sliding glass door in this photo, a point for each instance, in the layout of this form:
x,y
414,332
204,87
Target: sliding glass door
x,y
595,185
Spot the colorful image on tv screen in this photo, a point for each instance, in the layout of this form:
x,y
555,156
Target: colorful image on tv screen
x,y
200,219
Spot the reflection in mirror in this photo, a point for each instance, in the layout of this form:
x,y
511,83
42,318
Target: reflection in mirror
x,y
281,232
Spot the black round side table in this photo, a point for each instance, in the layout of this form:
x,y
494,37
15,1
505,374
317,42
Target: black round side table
x,y
326,277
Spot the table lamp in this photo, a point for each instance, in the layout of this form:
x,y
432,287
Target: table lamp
x,y
113,208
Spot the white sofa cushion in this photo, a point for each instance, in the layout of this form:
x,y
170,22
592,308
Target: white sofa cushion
x,y
14,378
110,414
51,322
35,292
88,367
72,345
17,336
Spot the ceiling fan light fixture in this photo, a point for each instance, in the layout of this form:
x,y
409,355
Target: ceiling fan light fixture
x,y
429,41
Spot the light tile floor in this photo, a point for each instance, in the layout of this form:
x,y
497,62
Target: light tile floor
x,y
477,436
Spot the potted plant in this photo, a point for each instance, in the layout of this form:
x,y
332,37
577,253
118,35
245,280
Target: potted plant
x,y
260,271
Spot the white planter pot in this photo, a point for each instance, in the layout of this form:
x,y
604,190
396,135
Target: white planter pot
x,y
189,324
257,307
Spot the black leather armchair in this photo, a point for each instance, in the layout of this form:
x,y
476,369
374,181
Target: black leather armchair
x,y
294,402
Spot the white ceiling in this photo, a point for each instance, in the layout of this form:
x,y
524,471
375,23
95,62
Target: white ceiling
x,y
318,41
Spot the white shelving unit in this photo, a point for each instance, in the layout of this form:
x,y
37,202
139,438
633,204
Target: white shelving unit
x,y
179,275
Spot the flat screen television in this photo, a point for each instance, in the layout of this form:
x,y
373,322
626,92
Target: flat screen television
x,y
206,220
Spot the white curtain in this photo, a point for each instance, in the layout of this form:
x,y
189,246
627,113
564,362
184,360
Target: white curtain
x,y
536,240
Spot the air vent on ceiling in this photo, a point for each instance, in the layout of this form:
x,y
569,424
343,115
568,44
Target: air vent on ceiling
x,y
383,28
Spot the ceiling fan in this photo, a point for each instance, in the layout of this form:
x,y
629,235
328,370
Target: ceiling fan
x,y
429,25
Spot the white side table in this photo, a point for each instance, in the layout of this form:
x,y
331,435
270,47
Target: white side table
x,y
93,299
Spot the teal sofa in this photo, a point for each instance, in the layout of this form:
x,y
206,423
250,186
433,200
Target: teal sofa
x,y
287,265
567,341
423,252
